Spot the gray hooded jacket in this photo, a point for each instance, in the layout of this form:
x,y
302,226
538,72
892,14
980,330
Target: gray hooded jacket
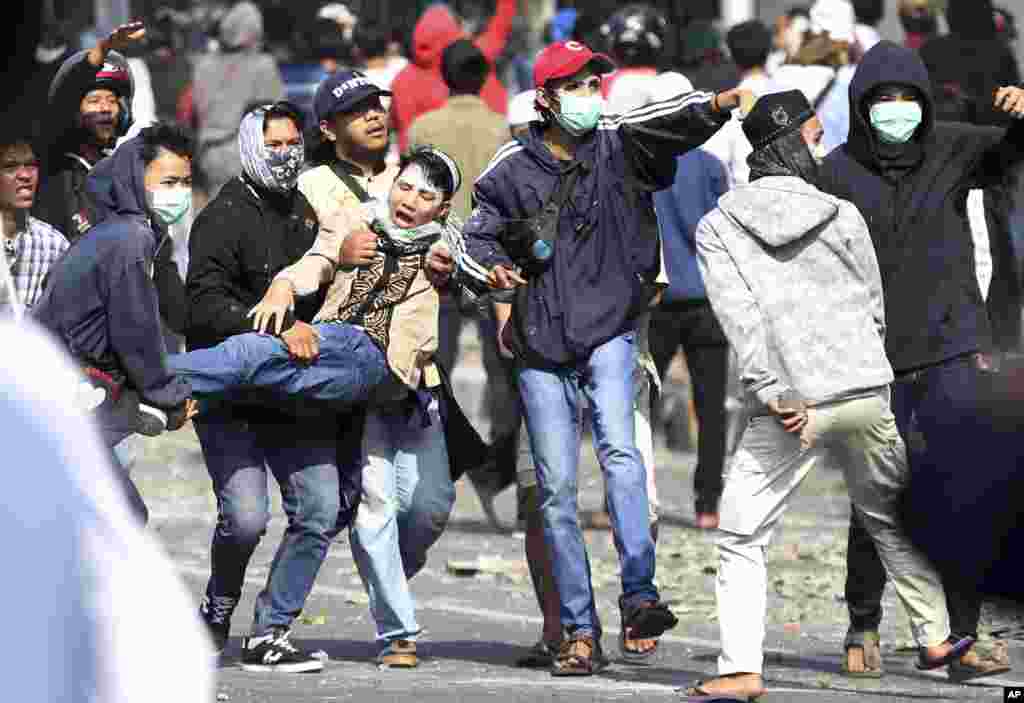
x,y
792,276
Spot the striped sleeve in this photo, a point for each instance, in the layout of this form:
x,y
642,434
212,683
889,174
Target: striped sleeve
x,y
505,151
465,265
654,135
657,110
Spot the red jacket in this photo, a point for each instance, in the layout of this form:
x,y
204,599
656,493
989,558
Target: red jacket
x,y
419,87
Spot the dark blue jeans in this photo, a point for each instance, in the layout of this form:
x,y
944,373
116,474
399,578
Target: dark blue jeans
x,y
349,367
303,458
946,404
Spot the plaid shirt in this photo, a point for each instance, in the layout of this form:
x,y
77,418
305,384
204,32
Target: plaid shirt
x,y
30,255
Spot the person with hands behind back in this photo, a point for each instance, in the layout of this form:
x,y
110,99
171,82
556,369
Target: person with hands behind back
x,y
565,216
792,276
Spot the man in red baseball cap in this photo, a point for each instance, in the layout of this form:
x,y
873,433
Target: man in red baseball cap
x,y
564,224
566,58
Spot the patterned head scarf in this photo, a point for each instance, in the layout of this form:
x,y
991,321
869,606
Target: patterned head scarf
x,y
274,170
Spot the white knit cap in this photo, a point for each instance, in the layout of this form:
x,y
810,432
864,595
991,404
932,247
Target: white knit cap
x,y
521,109
835,17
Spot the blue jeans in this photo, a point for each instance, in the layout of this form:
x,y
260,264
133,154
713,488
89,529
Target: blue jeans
x,y
551,404
407,498
349,367
303,461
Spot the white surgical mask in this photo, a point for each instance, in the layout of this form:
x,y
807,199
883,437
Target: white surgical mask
x,y
579,115
896,122
169,204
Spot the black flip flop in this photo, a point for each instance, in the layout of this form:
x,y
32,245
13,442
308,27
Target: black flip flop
x,y
960,648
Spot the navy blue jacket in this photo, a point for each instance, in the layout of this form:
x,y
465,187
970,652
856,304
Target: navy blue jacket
x,y
607,250
915,208
700,181
100,299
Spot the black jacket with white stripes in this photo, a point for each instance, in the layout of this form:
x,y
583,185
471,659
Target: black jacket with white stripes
x,y
607,254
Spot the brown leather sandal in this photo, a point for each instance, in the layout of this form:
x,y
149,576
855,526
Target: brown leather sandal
x,y
579,655
975,665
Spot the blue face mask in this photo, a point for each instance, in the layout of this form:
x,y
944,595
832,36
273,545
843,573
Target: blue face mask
x,y
895,122
579,115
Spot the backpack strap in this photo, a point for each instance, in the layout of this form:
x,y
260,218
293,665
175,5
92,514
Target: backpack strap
x,y
349,180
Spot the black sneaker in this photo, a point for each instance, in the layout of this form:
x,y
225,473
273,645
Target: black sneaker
x,y
274,652
218,624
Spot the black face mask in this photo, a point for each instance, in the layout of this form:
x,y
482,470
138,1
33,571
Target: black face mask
x,y
786,156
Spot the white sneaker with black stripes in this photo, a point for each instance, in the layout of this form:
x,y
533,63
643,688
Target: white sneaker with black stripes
x,y
275,652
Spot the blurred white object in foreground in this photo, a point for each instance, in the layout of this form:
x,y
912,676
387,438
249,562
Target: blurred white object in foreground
x,y
99,611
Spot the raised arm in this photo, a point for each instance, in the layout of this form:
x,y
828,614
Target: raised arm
x,y
655,134
65,100
998,156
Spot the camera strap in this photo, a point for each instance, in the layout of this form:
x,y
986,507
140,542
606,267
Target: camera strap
x,y
553,207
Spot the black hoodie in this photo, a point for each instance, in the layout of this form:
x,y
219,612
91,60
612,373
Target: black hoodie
x,y
914,202
970,62
63,198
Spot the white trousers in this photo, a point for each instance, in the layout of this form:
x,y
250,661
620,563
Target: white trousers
x,y
860,437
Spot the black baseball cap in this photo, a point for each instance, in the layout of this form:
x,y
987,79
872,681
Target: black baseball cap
x,y
343,91
775,115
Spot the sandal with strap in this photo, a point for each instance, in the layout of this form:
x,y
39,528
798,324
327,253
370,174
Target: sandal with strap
x,y
977,665
630,655
959,649
579,655
647,620
871,654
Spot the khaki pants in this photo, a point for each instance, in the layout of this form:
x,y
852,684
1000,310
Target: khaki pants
x,y
860,437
